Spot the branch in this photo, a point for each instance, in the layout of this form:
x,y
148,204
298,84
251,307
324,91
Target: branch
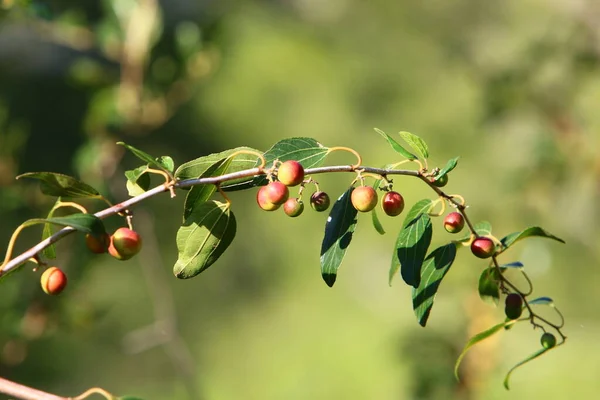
x,y
25,392
22,258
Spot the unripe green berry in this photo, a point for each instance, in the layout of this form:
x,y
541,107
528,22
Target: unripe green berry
x,y
364,198
548,340
483,247
441,182
392,203
454,222
53,281
97,245
124,244
293,207
319,201
290,173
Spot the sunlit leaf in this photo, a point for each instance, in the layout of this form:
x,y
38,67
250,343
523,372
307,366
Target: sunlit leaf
x,y
531,357
436,266
166,162
396,146
199,194
339,229
203,238
50,251
478,338
54,184
450,165
416,143
510,239
483,228
412,243
142,155
86,223
489,288
376,223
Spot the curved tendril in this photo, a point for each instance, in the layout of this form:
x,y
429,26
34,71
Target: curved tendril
x,y
342,148
93,391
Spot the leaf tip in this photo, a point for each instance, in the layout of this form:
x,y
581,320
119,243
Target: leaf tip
x,y
329,279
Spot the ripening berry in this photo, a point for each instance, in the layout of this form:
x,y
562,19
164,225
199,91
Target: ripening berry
x,y
276,193
513,306
364,198
454,222
483,247
290,173
441,182
293,207
548,340
124,244
319,201
263,202
53,281
392,203
97,245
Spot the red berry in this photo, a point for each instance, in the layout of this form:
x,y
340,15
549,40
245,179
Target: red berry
x,y
124,244
53,281
293,207
454,222
263,201
364,198
483,247
276,193
290,173
392,203
97,245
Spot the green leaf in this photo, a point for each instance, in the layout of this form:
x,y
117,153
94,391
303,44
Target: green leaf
x,y
307,151
482,228
339,229
412,243
450,165
417,144
199,194
542,300
241,161
135,174
86,223
54,184
166,162
50,251
508,240
138,181
396,146
531,357
376,222
145,157
203,238
478,338
489,290
436,266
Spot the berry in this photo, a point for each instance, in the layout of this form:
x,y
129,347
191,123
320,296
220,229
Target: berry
x,y
97,245
454,222
441,182
319,201
513,306
276,193
53,281
392,203
124,244
290,173
263,202
548,340
483,247
364,198
293,207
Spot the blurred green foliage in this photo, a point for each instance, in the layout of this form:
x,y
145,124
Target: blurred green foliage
x,y
512,87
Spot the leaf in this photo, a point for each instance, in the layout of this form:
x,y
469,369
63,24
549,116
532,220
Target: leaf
x,y
134,175
376,222
478,338
489,290
396,146
86,223
412,243
339,229
241,161
482,228
450,165
417,144
515,264
199,194
144,157
166,162
542,300
531,357
508,240
436,266
54,184
203,238
50,251
138,181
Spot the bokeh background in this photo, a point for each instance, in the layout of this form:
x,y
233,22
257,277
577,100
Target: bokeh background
x,y
513,87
